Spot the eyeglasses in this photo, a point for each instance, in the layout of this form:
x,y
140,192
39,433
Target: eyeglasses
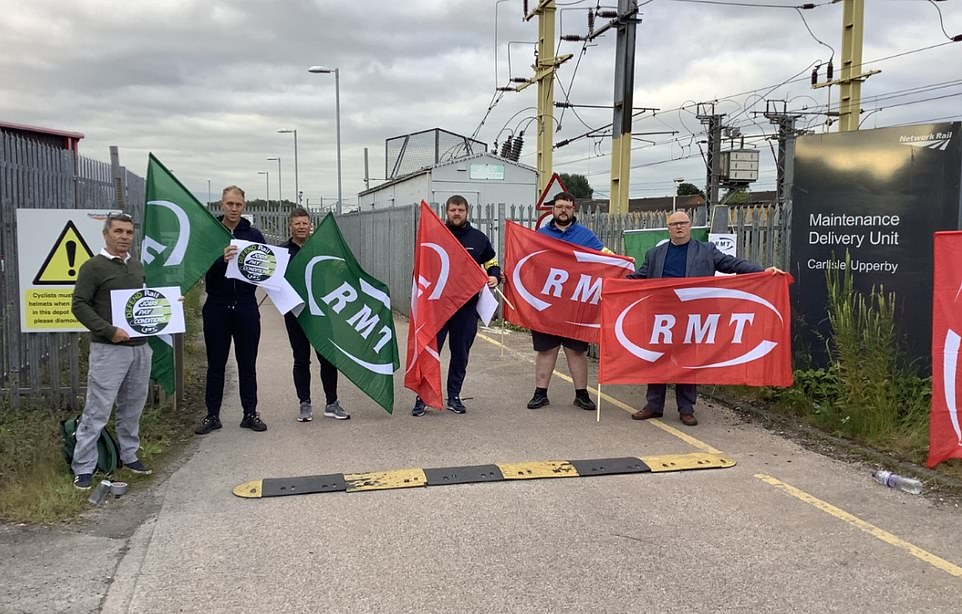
x,y
565,207
120,216
678,224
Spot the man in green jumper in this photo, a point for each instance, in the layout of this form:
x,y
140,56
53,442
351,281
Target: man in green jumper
x,y
119,367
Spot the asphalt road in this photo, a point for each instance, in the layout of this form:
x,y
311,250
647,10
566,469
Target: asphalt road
x,y
784,530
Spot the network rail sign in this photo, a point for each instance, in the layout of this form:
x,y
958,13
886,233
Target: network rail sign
x,y
875,196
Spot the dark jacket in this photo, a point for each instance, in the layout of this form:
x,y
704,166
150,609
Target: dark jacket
x,y
220,289
478,245
703,260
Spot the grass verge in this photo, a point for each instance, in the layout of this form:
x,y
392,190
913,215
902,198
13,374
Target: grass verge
x,y
36,484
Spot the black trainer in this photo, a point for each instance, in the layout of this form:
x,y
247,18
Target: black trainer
x,y
82,481
585,403
455,405
208,424
253,422
418,409
538,400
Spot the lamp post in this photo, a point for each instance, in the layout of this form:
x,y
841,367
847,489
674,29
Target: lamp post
x,y
337,119
297,187
209,195
674,197
280,186
267,174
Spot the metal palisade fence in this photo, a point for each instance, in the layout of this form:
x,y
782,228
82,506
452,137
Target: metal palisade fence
x,y
383,240
45,368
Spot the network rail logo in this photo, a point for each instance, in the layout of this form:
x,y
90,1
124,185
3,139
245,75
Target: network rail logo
x,y
938,141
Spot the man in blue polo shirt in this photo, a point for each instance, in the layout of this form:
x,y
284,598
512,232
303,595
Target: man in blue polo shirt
x,y
563,226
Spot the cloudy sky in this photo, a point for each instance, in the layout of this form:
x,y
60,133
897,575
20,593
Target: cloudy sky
x,y
206,84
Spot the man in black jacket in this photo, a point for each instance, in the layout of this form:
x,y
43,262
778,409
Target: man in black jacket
x,y
462,327
231,313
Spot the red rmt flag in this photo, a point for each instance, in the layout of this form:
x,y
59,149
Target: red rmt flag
x,y
945,426
553,286
732,330
445,278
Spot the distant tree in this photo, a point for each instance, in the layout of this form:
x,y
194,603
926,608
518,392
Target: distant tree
x,y
689,189
735,196
576,184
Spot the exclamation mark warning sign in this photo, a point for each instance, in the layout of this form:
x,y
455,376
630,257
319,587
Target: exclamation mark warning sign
x,y
63,261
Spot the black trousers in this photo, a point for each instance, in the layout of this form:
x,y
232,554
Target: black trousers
x,y
462,328
222,324
301,348
685,395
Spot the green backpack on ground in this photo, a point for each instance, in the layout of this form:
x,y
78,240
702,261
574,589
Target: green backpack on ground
x,y
108,452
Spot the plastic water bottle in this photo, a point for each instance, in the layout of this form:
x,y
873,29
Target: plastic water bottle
x,y
100,493
893,480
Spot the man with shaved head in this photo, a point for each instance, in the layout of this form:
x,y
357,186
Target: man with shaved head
x,y
681,256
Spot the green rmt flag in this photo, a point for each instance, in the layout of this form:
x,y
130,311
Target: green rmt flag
x,y
181,241
347,313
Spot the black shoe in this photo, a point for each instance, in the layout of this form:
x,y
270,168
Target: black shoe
x,y
418,409
455,405
82,481
208,424
253,422
538,400
585,403
138,468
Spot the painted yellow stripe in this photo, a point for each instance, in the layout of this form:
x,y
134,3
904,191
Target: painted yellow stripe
x,y
885,536
384,480
249,490
692,441
537,469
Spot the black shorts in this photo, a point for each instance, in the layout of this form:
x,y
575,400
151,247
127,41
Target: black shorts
x,y
543,342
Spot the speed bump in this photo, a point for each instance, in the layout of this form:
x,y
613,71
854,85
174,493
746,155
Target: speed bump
x,y
414,478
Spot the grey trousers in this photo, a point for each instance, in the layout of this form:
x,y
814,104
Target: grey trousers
x,y
118,373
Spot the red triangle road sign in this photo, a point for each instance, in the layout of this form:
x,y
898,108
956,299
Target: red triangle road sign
x,y
554,186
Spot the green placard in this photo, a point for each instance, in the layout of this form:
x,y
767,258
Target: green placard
x,y
637,242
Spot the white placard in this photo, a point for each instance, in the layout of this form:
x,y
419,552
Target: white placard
x,y
259,264
145,312
726,243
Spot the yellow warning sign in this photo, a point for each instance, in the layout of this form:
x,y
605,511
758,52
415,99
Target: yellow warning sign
x,y
63,261
49,310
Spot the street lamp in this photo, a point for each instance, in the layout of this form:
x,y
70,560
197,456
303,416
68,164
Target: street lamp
x,y
674,197
280,186
267,174
337,110
297,188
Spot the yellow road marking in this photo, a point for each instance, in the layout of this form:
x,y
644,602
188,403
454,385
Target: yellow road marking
x,y
885,536
692,441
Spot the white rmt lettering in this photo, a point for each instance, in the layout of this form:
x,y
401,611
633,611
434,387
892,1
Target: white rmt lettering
x,y
364,321
588,290
385,333
552,285
739,320
662,328
340,297
701,333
